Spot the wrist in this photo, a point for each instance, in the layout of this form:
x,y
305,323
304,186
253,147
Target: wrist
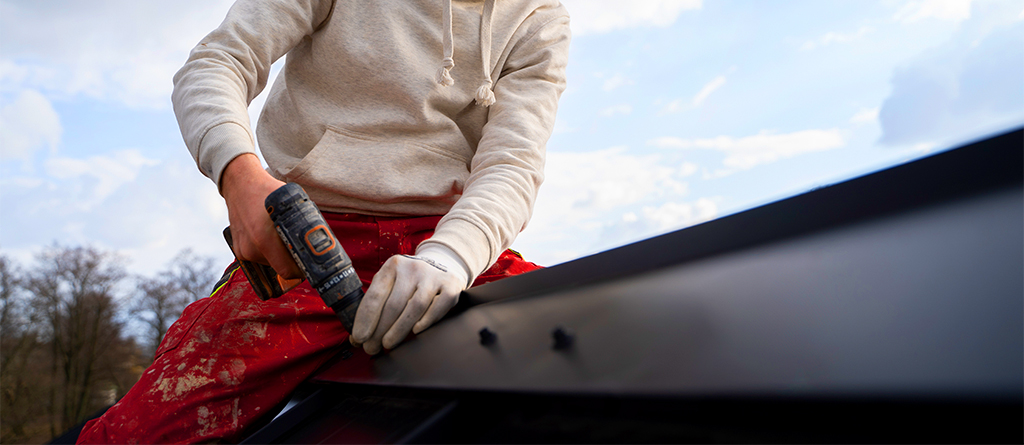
x,y
242,174
447,258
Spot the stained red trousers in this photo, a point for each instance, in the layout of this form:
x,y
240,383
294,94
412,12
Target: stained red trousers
x,y
231,357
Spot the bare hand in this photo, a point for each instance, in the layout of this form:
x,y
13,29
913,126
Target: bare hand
x,y
245,186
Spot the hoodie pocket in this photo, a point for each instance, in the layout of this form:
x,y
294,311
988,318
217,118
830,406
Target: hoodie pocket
x,y
383,170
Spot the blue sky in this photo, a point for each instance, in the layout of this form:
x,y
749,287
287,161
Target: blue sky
x,y
677,112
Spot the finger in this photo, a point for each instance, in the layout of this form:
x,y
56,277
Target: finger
x,y
413,311
279,258
244,245
371,347
368,313
393,308
265,239
441,304
259,242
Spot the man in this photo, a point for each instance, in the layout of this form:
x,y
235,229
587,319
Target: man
x,y
425,168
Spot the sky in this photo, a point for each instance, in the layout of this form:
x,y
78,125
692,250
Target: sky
x,y
676,112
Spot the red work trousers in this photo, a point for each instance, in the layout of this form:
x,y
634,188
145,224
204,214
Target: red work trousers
x,y
231,357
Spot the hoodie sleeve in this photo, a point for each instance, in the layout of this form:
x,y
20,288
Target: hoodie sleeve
x,y
230,67
508,166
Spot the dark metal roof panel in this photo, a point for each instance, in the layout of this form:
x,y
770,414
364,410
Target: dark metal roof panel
x,y
905,282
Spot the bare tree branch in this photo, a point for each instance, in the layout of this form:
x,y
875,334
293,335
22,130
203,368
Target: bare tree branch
x,y
74,291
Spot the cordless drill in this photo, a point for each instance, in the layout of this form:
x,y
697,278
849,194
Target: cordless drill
x,y
315,249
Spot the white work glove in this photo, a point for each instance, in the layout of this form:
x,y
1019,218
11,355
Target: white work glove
x,y
408,294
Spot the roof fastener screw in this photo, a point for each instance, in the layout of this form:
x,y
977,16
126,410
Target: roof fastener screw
x,y
487,337
346,354
563,338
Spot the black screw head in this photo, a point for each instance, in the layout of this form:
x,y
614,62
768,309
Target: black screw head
x,y
563,338
487,337
346,354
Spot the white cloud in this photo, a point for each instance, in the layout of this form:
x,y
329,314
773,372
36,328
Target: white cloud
x,y
949,10
924,147
616,109
688,169
652,220
957,91
600,16
747,152
671,215
14,76
563,128
615,82
835,37
698,99
144,210
103,174
709,88
117,50
584,193
672,107
27,124
865,115
592,182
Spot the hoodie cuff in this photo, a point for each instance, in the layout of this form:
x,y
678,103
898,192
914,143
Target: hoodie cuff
x,y
467,241
222,144
447,258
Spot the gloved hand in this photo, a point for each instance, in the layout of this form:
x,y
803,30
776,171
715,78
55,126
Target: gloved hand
x,y
409,293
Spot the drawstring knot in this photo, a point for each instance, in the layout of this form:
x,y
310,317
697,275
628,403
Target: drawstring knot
x,y
444,76
484,95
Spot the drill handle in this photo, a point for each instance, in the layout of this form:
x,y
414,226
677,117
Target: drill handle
x,y
263,279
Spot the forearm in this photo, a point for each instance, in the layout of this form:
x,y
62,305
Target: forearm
x,y
507,169
228,68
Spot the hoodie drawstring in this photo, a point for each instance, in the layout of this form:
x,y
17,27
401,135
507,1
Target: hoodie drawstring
x,y
484,94
444,76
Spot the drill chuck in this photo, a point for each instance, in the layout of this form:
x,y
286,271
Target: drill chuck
x,y
315,249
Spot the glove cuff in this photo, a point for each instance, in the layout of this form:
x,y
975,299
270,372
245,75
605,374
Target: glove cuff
x,y
446,257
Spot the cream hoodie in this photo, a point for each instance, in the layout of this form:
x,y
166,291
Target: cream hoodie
x,y
361,115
